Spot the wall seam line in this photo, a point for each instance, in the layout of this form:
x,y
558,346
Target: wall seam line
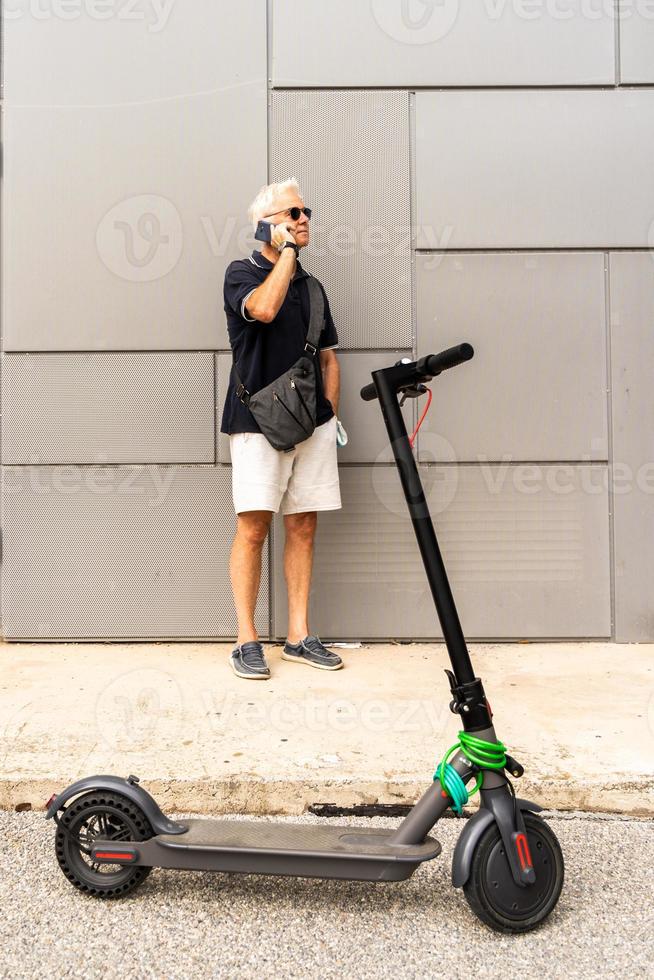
x,y
609,439
2,294
553,87
413,212
269,87
616,43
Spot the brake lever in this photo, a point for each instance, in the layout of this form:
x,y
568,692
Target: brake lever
x,y
415,391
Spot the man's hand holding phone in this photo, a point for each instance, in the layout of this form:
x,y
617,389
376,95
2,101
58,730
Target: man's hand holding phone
x,y
275,235
279,235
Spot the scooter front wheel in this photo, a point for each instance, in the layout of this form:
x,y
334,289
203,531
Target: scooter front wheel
x,y
100,815
492,893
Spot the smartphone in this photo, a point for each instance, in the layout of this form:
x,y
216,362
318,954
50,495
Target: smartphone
x,y
264,231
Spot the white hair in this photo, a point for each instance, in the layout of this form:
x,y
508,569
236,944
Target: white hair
x,y
265,199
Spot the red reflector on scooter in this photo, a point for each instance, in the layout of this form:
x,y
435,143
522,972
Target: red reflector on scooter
x,y
51,801
524,855
114,855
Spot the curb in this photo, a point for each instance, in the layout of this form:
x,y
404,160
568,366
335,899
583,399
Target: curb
x,y
286,797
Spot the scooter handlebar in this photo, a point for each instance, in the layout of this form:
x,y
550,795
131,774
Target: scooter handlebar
x,y
369,393
424,369
433,364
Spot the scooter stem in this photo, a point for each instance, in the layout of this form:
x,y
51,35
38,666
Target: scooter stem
x,y
424,529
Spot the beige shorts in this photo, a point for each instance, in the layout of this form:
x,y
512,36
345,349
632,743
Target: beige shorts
x,y
304,479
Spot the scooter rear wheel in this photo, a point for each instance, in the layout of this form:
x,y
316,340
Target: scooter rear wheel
x,y
492,893
100,815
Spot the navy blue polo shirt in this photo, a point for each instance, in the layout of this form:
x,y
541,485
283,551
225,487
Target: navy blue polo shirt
x,y
264,351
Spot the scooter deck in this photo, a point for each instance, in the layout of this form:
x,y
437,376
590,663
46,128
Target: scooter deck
x,y
262,847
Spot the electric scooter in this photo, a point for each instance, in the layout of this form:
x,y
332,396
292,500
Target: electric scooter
x,y
111,832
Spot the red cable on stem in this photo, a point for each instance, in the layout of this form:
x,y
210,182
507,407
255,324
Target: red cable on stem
x,y
422,418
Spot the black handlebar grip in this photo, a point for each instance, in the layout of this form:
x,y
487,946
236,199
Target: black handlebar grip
x,y
435,363
368,393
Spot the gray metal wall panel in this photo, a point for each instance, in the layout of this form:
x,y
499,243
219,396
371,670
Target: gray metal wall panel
x,y
122,202
448,43
108,408
636,42
536,389
527,557
350,153
632,366
223,367
119,553
534,168
141,51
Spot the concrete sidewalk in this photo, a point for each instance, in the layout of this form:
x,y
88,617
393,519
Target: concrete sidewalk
x,y
579,716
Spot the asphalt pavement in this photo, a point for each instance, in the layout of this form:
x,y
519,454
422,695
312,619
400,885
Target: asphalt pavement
x,y
191,924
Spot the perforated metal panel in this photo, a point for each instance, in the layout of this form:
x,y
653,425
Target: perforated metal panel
x,y
536,388
632,365
527,168
116,408
527,554
119,552
350,153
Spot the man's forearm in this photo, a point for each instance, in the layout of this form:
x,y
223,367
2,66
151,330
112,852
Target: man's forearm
x,y
331,380
265,302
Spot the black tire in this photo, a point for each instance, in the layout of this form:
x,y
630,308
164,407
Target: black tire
x,y
493,895
106,816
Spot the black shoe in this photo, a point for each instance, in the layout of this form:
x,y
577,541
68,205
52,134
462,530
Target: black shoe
x,y
311,651
247,660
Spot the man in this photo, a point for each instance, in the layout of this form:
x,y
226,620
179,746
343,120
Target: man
x,y
267,307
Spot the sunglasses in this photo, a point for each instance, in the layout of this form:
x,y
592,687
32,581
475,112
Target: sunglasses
x,y
293,212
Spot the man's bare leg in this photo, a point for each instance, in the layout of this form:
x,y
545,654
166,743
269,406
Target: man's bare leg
x,y
245,568
298,562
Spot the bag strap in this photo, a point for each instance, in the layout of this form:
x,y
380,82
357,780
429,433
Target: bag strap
x,y
316,323
316,316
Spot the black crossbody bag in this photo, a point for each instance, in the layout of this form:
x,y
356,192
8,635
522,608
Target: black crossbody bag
x,y
285,410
